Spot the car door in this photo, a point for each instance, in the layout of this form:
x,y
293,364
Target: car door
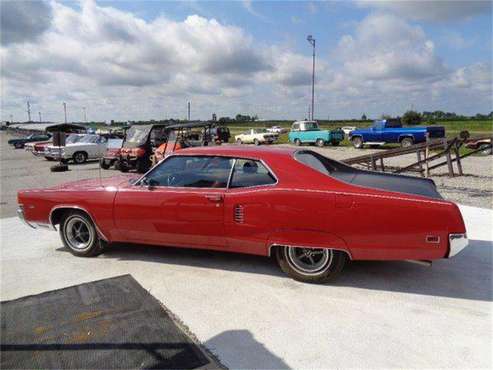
x,y
248,206
179,203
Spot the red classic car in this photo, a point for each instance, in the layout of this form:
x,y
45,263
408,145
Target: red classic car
x,y
310,212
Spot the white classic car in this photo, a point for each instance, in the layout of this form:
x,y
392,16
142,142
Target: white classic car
x,y
78,148
347,129
256,136
277,130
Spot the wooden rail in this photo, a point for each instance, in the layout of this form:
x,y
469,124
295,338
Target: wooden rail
x,y
442,148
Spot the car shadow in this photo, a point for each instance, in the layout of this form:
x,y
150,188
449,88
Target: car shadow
x,y
240,350
465,276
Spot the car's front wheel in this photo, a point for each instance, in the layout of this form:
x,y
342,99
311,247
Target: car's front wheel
x,y
239,142
320,143
297,142
256,141
79,234
311,265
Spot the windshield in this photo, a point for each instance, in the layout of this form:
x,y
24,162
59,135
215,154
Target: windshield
x,y
114,143
260,130
73,138
136,136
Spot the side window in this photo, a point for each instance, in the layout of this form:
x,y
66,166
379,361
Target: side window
x,y
248,172
188,171
296,127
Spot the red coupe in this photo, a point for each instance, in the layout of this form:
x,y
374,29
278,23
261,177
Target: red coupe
x,y
312,213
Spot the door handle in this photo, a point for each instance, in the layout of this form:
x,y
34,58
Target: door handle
x,y
214,197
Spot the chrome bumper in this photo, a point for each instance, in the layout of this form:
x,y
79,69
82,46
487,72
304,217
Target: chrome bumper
x,y
20,214
457,242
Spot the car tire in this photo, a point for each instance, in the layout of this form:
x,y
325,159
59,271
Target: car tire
x,y
335,143
256,142
485,149
59,167
79,157
407,142
297,263
239,142
79,235
51,159
357,142
320,143
103,164
297,142
18,146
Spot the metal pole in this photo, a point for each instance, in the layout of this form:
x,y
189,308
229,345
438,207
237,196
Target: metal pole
x,y
65,111
311,40
40,117
188,115
28,111
84,111
313,80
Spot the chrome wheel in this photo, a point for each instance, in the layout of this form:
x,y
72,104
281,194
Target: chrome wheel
x,y
308,261
79,157
79,234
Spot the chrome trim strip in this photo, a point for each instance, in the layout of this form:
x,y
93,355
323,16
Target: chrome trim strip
x,y
457,242
100,233
301,246
20,214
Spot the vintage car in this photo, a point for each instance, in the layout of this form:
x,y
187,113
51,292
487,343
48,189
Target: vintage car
x,y
256,136
86,146
483,145
113,148
309,132
312,213
19,143
37,148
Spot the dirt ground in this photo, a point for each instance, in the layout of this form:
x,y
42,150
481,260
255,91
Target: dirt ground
x,y
21,170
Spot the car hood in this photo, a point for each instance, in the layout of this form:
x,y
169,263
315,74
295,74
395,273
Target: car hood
x,y
96,183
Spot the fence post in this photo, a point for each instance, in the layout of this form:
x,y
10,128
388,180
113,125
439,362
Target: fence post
x,y
427,154
449,159
457,158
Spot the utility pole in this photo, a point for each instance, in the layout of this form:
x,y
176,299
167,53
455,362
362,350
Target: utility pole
x,y
40,117
311,40
28,111
65,111
11,118
309,110
84,111
188,111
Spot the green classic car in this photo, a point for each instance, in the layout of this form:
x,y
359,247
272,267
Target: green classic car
x,y
20,142
308,132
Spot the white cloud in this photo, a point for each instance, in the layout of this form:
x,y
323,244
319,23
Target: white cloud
x,y
121,66
432,10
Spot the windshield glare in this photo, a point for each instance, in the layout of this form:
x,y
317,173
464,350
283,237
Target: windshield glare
x,y
89,139
73,138
136,136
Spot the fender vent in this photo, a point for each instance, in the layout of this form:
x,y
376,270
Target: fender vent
x,y
239,214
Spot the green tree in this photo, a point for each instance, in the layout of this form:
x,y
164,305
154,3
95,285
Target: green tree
x,y
411,118
363,117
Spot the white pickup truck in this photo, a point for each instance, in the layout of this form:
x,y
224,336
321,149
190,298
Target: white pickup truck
x,y
87,147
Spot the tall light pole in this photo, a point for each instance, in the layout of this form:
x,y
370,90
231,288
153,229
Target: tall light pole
x,y
84,111
311,40
65,111
40,117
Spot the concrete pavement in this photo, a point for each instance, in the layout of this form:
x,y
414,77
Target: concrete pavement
x,y
378,314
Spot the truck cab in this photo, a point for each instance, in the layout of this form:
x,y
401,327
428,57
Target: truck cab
x,y
309,132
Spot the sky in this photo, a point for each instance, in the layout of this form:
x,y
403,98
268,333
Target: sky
x,y
141,60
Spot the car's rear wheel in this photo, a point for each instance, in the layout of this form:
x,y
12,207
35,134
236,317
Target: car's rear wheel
x,y
256,141
79,234
357,142
335,142
320,143
297,142
18,145
239,142
103,164
311,265
79,157
407,142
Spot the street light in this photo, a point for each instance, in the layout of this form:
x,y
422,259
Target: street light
x,y
311,40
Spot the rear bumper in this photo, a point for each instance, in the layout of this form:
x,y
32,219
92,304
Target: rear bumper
x,y
457,242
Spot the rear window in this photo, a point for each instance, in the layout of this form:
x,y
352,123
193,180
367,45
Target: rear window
x,y
249,172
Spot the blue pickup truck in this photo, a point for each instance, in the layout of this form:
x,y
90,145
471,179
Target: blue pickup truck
x,y
308,132
391,131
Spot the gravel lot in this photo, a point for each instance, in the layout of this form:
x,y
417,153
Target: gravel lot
x,y
21,170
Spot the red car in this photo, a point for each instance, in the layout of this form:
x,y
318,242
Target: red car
x,y
310,212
